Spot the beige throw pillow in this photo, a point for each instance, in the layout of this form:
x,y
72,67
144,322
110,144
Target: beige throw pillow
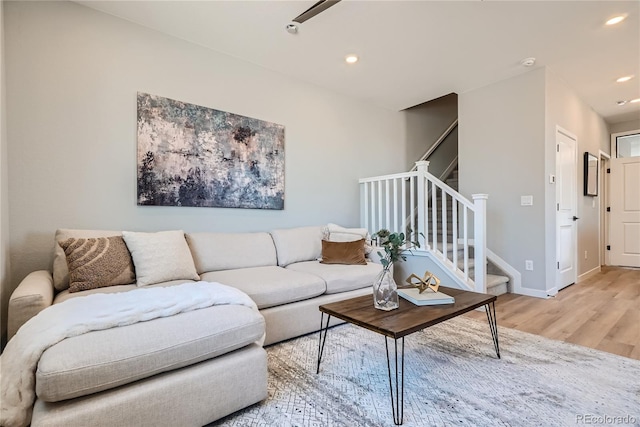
x,y
297,244
350,253
160,257
97,262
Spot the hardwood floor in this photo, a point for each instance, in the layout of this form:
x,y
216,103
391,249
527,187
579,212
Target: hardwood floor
x,y
602,312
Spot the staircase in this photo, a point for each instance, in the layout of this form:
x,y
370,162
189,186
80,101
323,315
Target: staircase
x,y
496,282
418,201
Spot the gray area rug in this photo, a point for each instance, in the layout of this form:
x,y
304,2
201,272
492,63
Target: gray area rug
x,y
452,378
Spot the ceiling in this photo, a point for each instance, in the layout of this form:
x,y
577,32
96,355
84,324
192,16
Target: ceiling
x,y
414,51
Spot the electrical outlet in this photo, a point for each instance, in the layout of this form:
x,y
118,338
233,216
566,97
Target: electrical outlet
x,y
585,254
528,265
526,200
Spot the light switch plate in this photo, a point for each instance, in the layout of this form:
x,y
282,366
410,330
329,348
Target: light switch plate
x,y
526,200
552,179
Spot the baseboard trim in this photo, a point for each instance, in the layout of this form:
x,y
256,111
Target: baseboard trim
x,y
537,292
588,274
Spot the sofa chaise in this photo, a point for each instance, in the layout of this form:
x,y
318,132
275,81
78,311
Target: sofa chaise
x,y
195,367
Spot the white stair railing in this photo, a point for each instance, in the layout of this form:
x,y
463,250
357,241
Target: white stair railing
x,y
441,219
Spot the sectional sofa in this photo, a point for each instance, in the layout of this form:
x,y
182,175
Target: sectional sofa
x,y
191,368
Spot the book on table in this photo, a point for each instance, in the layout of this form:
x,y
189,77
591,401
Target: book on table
x,y
428,297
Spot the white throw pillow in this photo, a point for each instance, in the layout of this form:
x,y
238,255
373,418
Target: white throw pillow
x,y
336,233
160,257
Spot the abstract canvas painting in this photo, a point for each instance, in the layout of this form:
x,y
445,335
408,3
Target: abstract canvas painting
x,y
190,155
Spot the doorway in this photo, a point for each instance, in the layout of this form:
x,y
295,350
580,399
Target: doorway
x,y
624,200
603,200
566,207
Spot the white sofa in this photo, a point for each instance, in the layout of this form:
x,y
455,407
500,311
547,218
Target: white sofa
x,y
195,367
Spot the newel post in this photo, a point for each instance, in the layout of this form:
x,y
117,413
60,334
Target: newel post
x,y
480,241
422,224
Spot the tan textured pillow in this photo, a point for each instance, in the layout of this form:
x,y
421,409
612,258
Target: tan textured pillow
x,y
97,262
60,268
343,252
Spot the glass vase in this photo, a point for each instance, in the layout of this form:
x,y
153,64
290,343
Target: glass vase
x,y
385,291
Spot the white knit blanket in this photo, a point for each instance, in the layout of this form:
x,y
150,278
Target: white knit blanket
x,y
95,312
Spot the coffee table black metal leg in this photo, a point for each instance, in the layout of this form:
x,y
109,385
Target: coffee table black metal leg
x,y
397,401
323,338
493,325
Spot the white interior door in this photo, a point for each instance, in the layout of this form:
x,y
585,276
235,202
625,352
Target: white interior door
x,y
624,237
566,193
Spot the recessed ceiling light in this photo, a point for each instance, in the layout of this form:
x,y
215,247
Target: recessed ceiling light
x,y
624,79
616,19
351,59
528,62
633,101
292,28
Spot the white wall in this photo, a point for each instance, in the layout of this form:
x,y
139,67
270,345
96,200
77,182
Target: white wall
x,y
501,153
507,149
625,126
72,78
425,123
565,109
4,190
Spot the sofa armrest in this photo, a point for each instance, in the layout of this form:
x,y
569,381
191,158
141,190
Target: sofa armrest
x,y
33,294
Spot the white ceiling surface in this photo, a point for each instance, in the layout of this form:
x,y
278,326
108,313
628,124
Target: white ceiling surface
x,y
414,51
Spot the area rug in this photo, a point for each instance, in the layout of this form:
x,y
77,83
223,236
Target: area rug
x,y
452,378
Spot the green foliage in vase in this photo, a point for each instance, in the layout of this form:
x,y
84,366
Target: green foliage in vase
x,y
395,246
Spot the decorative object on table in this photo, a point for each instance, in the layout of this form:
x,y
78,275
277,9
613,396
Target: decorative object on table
x,y
424,291
428,281
428,297
190,155
385,290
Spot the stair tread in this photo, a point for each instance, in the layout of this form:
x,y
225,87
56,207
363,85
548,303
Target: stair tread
x,y
496,280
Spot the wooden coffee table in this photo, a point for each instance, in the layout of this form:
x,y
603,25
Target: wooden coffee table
x,y
396,324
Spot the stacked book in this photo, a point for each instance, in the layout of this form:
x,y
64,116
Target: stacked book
x,y
428,297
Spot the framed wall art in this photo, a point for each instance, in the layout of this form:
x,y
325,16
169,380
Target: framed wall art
x,y
590,174
189,155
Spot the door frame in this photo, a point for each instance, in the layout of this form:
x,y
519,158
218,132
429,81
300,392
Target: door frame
x,y
613,155
559,286
603,200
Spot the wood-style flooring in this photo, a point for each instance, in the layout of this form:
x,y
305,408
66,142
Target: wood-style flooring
x,y
601,312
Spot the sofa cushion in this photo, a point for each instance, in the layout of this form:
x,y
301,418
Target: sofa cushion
x,y
349,253
340,277
228,251
65,295
270,286
102,360
97,262
297,244
161,256
60,269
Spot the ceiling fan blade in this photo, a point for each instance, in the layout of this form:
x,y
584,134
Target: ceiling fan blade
x,y
320,6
